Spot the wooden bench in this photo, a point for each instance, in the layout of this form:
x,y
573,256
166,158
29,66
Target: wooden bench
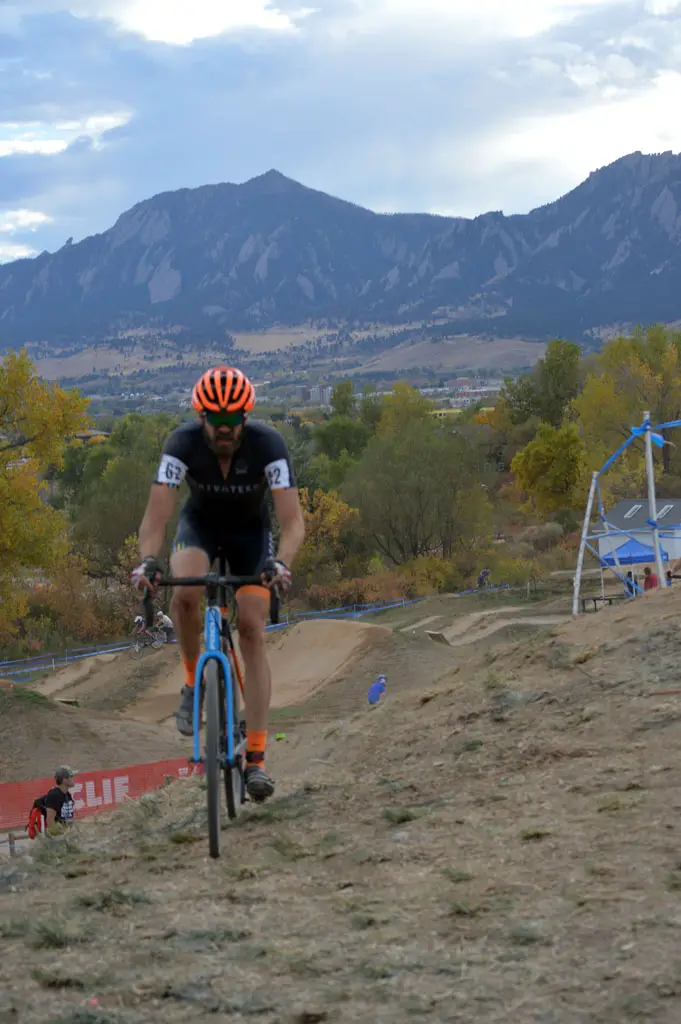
x,y
598,599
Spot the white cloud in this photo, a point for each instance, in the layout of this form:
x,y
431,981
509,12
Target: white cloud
x,y
22,220
568,147
180,22
662,7
38,137
481,18
15,252
8,147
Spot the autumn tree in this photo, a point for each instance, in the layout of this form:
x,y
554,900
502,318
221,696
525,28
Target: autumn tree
x,y
550,469
631,375
328,520
36,420
401,408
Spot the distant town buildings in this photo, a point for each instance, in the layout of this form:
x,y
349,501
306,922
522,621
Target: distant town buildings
x,y
457,393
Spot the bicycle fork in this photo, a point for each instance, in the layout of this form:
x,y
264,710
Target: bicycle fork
x,y
212,634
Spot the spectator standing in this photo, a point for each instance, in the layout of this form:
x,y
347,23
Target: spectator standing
x,y
59,804
650,580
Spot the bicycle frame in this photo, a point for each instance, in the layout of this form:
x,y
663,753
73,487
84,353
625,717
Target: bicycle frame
x,y
213,650
225,737
216,585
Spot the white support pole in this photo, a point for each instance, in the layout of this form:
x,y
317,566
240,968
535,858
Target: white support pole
x,y
582,545
607,534
652,505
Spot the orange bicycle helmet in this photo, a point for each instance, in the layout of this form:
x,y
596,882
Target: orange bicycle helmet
x,y
223,389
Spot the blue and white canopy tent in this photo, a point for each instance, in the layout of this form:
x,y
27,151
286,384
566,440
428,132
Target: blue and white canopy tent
x,y
631,552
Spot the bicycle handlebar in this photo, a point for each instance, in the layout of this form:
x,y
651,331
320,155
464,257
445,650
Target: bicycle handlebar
x,y
210,579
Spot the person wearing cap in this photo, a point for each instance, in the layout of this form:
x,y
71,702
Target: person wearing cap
x,y
59,804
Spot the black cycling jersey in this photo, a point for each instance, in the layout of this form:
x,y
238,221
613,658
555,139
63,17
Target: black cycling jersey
x,y
262,460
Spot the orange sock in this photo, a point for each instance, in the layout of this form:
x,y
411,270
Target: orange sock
x,y
189,671
256,741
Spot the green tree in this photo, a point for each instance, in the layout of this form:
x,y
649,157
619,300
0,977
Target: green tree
x,y
548,389
343,399
341,434
107,503
415,489
370,409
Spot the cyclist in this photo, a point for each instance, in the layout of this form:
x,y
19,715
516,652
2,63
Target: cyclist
x,y
165,623
229,462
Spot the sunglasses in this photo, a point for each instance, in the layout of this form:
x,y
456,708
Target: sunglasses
x,y
224,419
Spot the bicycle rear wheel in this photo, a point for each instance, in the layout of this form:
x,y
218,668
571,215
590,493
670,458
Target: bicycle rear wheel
x,y
214,709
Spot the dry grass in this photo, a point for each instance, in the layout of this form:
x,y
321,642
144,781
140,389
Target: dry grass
x,y
460,860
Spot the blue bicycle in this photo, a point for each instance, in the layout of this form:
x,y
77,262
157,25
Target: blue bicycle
x,y
219,687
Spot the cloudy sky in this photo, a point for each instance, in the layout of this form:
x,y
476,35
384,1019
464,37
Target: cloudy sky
x,y
451,106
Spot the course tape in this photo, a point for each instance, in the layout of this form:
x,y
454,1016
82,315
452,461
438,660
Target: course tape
x,y
94,791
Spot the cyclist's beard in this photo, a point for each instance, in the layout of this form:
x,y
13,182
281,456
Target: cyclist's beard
x,y
224,442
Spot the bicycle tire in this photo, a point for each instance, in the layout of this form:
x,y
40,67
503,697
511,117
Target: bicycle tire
x,y
137,651
235,786
157,644
213,764
275,607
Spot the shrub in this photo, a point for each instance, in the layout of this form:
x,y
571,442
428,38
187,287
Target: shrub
x,y
543,537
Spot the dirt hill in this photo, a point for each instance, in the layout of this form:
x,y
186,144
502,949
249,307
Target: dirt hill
x,y
498,844
37,734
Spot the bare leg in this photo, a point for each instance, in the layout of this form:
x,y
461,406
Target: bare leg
x,y
185,612
185,608
253,610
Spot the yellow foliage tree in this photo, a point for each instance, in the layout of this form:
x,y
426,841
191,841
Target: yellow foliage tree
x,y
629,376
326,518
402,406
550,469
36,420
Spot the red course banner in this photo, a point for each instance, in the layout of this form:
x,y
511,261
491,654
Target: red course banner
x,y
94,791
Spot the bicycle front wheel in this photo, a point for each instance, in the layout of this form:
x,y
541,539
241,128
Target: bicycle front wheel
x,y
137,651
214,705
235,790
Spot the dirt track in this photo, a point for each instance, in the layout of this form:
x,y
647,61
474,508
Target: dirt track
x,y
126,707
304,659
326,665
500,844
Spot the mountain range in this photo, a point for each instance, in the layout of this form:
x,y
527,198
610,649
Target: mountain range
x,y
270,251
